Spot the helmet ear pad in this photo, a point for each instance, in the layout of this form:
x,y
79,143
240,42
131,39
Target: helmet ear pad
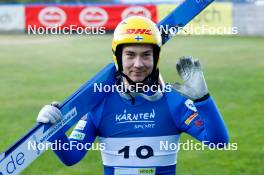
x,y
118,54
156,54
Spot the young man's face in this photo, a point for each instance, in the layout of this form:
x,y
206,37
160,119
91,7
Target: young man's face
x,y
137,61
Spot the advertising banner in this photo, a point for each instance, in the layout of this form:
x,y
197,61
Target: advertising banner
x,y
215,19
12,18
84,16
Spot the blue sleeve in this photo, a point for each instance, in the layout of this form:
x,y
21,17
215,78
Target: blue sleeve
x,y
74,147
203,121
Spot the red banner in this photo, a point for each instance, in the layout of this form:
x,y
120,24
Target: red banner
x,y
84,16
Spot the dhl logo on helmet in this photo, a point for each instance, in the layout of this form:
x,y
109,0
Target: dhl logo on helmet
x,y
138,31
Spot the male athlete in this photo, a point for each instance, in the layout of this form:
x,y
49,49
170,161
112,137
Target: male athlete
x,y
132,122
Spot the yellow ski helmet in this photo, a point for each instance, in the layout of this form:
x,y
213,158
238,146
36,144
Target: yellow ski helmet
x,y
136,30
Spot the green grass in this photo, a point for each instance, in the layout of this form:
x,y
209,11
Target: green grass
x,y
35,70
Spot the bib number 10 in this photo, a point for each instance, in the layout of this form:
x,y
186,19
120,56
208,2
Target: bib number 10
x,y
147,150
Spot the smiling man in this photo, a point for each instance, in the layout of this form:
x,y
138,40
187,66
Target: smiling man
x,y
133,123
137,61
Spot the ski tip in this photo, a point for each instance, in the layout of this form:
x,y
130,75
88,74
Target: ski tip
x,y
2,156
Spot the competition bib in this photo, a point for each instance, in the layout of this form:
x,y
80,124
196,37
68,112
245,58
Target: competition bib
x,y
140,151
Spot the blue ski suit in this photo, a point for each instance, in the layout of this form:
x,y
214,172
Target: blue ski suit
x,y
135,137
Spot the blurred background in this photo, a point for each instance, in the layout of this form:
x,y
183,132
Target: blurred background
x,y
39,64
245,16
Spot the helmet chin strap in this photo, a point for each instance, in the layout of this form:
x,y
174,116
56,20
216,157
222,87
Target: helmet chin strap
x,y
151,79
156,96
